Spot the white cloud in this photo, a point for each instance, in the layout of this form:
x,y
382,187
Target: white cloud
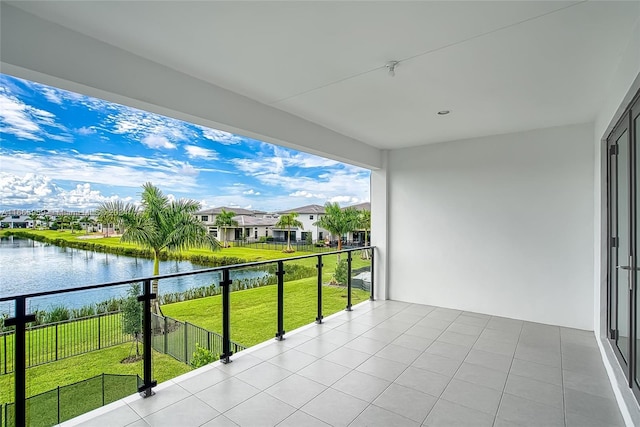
x,y
251,192
158,141
27,122
194,152
154,130
220,136
86,130
344,199
82,196
52,95
302,160
303,193
259,166
103,168
39,191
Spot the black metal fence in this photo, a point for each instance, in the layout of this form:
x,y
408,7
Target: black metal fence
x,y
299,245
180,339
279,245
24,407
55,341
66,402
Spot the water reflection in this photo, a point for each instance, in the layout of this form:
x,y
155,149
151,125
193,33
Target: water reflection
x,y
27,266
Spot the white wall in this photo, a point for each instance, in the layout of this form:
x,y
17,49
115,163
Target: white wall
x,y
624,84
379,230
506,225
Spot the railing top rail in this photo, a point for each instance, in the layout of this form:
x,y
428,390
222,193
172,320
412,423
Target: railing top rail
x,y
186,273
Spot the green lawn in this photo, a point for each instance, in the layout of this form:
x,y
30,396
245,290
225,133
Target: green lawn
x,y
73,338
51,375
249,254
62,404
254,311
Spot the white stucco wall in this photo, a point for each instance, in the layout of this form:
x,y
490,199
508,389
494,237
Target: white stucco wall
x,y
505,225
624,84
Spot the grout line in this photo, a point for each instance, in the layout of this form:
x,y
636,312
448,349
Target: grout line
x,y
508,373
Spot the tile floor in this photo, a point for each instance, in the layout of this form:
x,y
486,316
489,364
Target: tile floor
x,y
389,363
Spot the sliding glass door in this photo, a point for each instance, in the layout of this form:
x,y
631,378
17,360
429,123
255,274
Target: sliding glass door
x,y
623,230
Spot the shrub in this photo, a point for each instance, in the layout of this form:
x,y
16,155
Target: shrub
x,y
58,314
340,275
86,311
201,357
132,315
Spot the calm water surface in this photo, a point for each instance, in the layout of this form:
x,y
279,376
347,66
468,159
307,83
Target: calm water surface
x,y
27,266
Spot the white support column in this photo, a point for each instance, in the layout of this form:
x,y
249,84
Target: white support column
x,y
380,226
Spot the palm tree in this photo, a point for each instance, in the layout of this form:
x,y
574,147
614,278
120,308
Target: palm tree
x,y
47,220
62,220
159,224
73,221
87,222
224,220
364,223
287,221
34,216
110,213
338,221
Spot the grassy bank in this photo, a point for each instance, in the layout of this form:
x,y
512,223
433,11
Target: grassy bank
x,y
254,311
226,256
47,377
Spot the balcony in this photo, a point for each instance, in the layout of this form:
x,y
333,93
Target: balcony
x,y
391,363
375,363
501,207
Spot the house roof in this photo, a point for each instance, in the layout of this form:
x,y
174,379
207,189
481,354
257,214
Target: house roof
x,y
217,211
308,209
253,221
366,206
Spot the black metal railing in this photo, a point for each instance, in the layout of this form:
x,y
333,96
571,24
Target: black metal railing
x,y
59,340
180,339
21,318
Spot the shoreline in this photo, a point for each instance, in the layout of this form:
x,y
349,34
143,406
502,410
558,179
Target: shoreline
x,y
91,244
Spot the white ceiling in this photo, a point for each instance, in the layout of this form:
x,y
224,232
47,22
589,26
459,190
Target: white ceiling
x,y
498,66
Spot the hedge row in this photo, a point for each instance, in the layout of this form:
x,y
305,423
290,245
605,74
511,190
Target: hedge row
x,y
204,260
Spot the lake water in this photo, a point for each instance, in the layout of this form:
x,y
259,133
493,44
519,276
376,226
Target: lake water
x,y
27,266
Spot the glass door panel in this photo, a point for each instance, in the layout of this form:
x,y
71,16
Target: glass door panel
x,y
635,127
624,234
621,297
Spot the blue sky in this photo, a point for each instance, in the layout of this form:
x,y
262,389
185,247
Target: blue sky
x,y
59,149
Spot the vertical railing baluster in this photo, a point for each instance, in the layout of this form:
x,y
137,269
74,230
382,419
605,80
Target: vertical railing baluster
x,y
372,296
226,339
59,404
348,281
57,343
146,389
319,267
19,367
280,274
99,334
185,338
166,336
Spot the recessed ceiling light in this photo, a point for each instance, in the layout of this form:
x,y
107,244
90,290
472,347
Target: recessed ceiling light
x,y
443,112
